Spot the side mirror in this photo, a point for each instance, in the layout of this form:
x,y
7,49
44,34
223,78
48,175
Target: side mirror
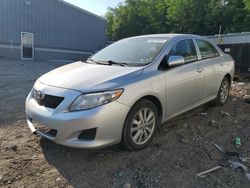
x,y
175,61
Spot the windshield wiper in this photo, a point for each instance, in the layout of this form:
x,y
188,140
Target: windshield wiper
x,y
117,63
90,61
110,62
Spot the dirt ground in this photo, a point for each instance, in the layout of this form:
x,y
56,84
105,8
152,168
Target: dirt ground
x,y
183,147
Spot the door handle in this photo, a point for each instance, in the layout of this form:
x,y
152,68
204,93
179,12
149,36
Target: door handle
x,y
200,69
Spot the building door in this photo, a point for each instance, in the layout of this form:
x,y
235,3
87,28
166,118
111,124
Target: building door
x,y
27,46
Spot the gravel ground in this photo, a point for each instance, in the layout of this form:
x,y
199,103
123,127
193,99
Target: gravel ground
x,y
183,147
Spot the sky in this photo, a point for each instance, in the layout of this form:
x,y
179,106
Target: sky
x,y
98,7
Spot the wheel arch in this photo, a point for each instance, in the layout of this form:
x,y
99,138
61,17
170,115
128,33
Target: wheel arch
x,y
155,100
229,78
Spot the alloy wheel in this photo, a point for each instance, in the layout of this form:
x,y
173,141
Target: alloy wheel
x,y
224,91
143,126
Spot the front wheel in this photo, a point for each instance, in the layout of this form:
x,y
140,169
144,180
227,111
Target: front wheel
x,y
223,92
140,125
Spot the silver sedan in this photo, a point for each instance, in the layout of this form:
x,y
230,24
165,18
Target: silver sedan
x,y
125,91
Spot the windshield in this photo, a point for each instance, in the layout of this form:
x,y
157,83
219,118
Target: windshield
x,y
132,51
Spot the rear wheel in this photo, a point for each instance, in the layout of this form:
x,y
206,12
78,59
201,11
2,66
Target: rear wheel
x,y
140,125
223,92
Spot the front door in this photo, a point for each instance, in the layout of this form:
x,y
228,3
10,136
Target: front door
x,y
183,82
27,46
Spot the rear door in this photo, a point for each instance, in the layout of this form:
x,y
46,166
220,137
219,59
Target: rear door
x,y
211,65
183,82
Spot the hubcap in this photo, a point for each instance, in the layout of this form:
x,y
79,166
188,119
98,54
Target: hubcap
x,y
142,126
224,91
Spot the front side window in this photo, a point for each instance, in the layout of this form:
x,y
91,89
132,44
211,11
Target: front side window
x,y
207,50
186,49
132,51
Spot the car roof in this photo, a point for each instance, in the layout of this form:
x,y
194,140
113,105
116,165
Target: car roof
x,y
169,35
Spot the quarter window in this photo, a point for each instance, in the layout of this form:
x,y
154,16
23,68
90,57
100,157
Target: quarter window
x,y
207,50
186,49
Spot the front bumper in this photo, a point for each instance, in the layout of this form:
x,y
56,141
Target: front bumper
x,y
107,119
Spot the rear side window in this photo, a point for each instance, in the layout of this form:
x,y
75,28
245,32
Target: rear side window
x,y
207,50
186,49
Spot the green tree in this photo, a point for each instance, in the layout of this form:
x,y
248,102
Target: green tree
x,y
204,17
247,3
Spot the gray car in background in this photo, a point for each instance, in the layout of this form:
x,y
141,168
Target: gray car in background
x,y
125,91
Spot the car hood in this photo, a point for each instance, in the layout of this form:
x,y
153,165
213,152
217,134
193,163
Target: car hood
x,y
90,77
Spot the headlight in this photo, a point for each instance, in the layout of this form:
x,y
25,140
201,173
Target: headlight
x,y
92,100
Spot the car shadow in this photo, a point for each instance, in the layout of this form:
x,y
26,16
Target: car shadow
x,y
88,168
83,167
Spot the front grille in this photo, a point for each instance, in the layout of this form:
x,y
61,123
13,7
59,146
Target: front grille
x,y
50,101
46,100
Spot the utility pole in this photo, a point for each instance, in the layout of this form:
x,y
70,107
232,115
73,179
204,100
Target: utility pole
x,y
219,35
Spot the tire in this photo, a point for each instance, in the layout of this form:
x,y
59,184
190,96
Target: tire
x,y
140,125
223,92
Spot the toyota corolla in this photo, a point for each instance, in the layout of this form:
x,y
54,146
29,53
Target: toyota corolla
x,y
124,92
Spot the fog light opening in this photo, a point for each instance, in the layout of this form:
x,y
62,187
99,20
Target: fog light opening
x,y
88,134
